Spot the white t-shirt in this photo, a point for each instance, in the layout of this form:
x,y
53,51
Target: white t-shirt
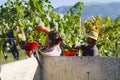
x,y
56,51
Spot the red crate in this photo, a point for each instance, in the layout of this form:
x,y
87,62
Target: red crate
x,y
70,53
31,45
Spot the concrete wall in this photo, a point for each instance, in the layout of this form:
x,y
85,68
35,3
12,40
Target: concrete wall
x,y
63,68
27,69
81,68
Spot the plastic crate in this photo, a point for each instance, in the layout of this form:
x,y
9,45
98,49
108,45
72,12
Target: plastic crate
x,y
70,53
31,45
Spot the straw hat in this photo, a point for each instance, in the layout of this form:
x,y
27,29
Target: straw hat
x,y
93,35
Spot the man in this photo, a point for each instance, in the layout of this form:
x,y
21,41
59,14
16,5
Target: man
x,y
89,49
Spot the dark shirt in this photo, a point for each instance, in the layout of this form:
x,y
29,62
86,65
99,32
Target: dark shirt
x,y
89,50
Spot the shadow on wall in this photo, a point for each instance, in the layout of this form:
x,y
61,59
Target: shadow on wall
x,y
0,72
38,74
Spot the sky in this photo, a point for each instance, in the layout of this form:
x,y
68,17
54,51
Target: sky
x,y
58,3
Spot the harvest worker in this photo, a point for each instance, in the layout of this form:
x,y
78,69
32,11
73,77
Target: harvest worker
x,y
92,29
89,49
53,41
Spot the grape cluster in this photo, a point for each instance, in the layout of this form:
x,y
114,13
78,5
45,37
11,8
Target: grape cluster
x,y
12,45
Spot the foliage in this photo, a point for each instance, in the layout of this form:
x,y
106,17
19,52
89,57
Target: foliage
x,y
30,13
93,24
34,12
109,38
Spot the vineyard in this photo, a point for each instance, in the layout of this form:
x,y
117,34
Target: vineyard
x,y
27,14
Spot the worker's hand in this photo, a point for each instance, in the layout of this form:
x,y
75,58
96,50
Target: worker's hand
x,y
43,28
76,47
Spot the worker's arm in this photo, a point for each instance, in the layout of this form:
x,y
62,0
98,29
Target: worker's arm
x,y
42,28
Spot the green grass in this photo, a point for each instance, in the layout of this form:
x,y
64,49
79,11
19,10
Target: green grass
x,y
10,58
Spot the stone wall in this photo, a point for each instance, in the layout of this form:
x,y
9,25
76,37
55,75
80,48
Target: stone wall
x,y
63,68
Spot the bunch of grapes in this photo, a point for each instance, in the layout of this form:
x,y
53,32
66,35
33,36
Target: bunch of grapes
x,y
13,47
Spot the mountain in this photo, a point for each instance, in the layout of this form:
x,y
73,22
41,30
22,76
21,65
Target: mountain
x,y
92,9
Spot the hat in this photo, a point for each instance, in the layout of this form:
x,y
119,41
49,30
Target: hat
x,y
93,35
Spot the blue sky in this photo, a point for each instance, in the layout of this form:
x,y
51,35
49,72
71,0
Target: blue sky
x,y
58,3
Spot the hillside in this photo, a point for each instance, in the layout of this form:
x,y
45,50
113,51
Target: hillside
x,y
90,9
